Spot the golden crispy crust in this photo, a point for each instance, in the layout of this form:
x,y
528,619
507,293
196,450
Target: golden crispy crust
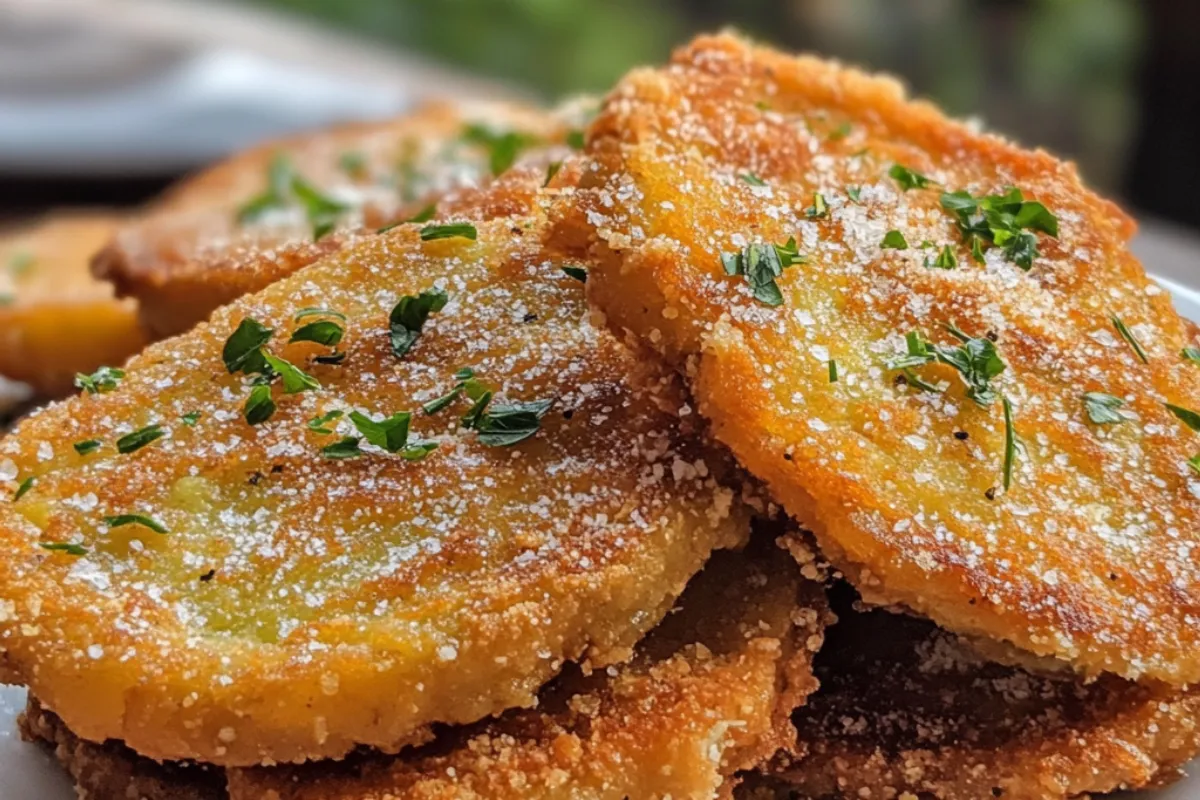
x,y
707,695
190,253
906,710
55,318
1091,556
300,606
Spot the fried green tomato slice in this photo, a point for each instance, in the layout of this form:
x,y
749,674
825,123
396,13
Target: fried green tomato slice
x,y
908,710
707,695
934,347
264,213
414,512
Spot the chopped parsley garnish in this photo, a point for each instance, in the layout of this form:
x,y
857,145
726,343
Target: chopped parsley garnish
x,y
23,487
295,380
945,259
578,273
331,358
833,374
1010,443
855,194
840,132
908,179
894,240
463,229
315,311
975,359
320,424
409,315
64,547
279,182
819,208
135,519
1194,463
353,163
390,433
1191,354
1189,417
132,442
425,214
323,331
417,450
505,424
1005,220
1102,408
285,187
343,448
762,264
475,389
503,148
190,418
1128,336
752,179
104,379
551,170
259,404
243,349
575,140
21,262
86,446
915,380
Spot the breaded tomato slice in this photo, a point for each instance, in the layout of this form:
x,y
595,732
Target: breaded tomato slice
x,y
906,709
55,318
402,486
935,347
264,213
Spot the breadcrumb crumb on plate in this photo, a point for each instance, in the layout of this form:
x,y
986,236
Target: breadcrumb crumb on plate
x,y
1066,536
198,587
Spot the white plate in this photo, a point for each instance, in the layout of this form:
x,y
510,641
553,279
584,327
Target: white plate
x,y
27,772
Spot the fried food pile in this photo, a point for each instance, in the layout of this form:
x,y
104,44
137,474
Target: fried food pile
x,y
752,431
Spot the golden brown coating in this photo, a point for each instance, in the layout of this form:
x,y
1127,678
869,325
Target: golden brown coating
x,y
55,318
906,710
300,605
1092,555
707,695
198,247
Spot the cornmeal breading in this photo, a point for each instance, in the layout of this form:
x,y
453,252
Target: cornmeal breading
x,y
863,370
55,318
299,604
708,695
229,231
906,710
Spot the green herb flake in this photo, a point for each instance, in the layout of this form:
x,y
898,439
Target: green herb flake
x,y
390,433
190,418
1187,416
1102,408
23,487
243,349
575,140
295,380
259,404
132,442
855,194
578,273
102,380
908,179
752,179
1191,354
894,240
320,424
1010,443
464,230
552,169
279,181
762,264
976,360
1001,220
86,446
425,214
343,448
330,358
840,132
416,451
66,548
819,208
833,371
1194,463
121,520
945,259
1130,339
503,146
325,332
409,315
506,424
